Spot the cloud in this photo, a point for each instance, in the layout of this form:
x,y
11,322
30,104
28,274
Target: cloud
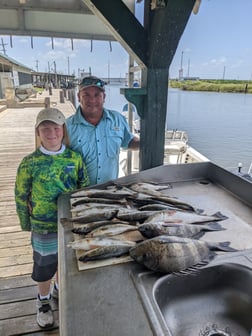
x,y
237,64
220,61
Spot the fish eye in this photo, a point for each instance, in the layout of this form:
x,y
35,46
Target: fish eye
x,y
145,256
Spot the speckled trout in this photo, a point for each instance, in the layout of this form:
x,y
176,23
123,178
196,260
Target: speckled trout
x,y
183,217
91,243
105,252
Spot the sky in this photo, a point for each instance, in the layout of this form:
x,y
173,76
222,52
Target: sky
x,y
216,44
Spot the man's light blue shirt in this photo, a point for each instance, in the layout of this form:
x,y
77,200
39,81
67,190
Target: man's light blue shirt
x,y
99,145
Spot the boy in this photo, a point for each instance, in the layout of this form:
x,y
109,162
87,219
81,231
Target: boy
x,y
42,176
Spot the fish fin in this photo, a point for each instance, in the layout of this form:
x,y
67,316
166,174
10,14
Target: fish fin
x,y
222,246
195,269
81,231
188,271
199,211
198,235
66,221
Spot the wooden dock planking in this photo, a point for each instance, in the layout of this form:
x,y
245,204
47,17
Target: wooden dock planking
x,y
17,290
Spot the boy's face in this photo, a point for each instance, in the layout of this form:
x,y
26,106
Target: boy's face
x,y
51,135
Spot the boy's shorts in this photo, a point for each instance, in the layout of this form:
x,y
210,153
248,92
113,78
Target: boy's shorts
x,y
45,256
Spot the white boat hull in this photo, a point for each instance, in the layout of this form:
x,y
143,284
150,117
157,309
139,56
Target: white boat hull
x,y
176,151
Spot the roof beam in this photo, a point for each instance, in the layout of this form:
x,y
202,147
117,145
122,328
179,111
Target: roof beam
x,y
123,25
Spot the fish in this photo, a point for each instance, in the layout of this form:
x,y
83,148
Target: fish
x,y
83,229
144,189
150,230
176,203
78,210
168,254
112,230
155,207
149,188
105,252
183,217
164,199
91,243
111,193
95,214
82,200
132,215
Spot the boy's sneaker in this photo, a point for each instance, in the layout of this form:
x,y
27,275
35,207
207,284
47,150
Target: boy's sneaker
x,y
44,313
55,292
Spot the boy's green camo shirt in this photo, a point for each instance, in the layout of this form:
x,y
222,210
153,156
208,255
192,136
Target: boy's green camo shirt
x,y
40,180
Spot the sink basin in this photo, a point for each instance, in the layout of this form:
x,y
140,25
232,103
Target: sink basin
x,y
216,301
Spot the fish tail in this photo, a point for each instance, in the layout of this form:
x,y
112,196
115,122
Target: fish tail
x,y
214,226
220,216
222,246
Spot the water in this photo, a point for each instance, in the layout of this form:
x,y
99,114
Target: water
x,y
219,125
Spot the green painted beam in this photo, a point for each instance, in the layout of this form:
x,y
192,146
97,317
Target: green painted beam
x,y
152,47
165,30
135,96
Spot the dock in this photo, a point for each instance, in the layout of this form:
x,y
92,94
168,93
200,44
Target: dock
x,y
18,291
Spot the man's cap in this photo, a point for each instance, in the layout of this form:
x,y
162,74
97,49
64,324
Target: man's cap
x,y
50,114
92,81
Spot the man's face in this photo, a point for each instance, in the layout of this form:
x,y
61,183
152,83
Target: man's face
x,y
91,100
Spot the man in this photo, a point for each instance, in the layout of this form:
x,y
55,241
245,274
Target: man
x,y
98,133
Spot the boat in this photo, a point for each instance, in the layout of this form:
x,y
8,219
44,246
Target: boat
x,y
176,147
238,171
176,151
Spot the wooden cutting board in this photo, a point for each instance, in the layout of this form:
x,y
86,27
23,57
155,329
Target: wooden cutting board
x,y
133,236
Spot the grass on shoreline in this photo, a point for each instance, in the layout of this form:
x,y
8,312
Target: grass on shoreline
x,y
233,86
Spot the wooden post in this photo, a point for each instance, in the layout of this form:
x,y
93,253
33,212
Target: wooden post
x,y
47,102
62,97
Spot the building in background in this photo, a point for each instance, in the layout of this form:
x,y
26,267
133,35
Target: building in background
x,y
12,75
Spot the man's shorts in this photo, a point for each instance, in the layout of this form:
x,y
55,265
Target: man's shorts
x,y
45,256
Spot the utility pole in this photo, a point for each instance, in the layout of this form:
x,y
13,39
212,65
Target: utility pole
x,y
37,65
55,73
3,46
181,66
68,66
108,72
224,70
188,69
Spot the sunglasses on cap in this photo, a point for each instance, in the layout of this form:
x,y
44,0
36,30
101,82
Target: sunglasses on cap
x,y
88,81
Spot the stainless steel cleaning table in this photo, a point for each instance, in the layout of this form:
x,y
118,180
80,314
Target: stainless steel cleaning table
x,y
105,301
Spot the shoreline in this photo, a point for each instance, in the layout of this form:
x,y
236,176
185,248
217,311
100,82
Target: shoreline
x,y
225,86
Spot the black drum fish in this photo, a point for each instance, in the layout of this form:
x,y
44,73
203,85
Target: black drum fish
x,y
151,230
168,254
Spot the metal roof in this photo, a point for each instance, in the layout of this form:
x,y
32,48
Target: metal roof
x,y
4,59
53,18
151,45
